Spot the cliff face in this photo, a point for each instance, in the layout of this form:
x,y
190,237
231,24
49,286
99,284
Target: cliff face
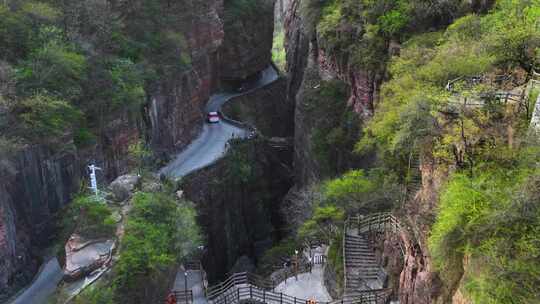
x,y
307,65
267,109
237,200
297,45
176,110
246,48
37,182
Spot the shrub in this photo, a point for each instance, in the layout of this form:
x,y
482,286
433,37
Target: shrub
x,y
492,219
44,116
15,35
357,192
90,218
275,255
96,295
335,258
54,68
323,224
159,232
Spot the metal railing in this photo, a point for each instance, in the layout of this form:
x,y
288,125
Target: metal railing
x,y
241,278
241,287
372,224
184,296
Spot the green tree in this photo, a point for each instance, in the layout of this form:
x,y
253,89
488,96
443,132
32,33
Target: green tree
x,y
54,68
90,217
357,192
159,232
324,223
44,116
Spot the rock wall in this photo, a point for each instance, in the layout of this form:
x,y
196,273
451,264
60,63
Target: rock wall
x,y
248,38
176,109
268,109
38,181
238,200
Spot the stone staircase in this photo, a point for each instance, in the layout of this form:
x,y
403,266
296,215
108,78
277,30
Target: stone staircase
x,y
362,268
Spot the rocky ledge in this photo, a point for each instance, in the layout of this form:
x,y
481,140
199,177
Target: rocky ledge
x,y
83,256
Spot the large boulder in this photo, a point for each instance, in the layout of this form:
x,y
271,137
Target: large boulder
x,y
85,256
123,187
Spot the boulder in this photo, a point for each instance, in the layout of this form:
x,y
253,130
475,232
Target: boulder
x,y
85,256
122,187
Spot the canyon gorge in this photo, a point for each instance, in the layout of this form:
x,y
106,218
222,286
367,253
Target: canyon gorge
x,y
422,111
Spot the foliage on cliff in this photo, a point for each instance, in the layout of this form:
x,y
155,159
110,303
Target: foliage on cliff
x,y
335,127
89,217
89,58
492,220
359,32
159,232
417,113
441,104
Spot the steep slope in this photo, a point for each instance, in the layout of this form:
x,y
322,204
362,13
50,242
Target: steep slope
x,y
38,179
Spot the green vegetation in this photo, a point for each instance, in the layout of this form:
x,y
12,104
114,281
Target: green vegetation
x,y
278,50
336,127
90,218
335,258
493,220
361,30
76,65
323,224
486,219
412,116
275,255
43,116
159,232
96,295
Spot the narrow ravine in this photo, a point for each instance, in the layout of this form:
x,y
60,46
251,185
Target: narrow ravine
x,y
209,146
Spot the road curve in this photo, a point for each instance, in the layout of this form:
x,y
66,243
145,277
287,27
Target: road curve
x,y
210,145
43,286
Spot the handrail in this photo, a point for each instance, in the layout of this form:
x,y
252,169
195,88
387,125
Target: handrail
x,y
345,228
238,287
289,273
373,223
182,296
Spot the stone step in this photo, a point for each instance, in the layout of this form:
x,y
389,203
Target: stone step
x,y
362,256
356,244
359,251
361,263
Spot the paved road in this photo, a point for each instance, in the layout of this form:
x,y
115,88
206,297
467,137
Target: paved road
x,y
307,286
194,282
43,286
210,145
